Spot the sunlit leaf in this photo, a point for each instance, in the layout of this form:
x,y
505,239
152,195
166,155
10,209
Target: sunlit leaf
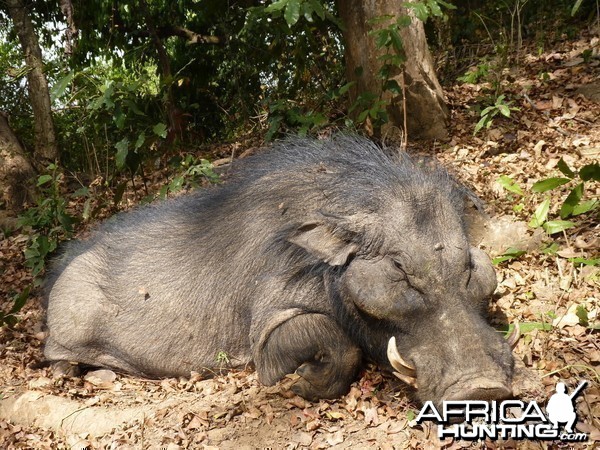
x,y
160,129
571,201
509,254
556,226
583,315
586,206
292,12
509,184
122,150
43,179
61,86
549,184
540,214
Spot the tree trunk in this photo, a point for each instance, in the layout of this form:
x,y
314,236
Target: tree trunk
x,y
164,65
46,148
16,173
426,111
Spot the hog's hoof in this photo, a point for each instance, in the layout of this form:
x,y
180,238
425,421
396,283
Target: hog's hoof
x,y
66,369
316,382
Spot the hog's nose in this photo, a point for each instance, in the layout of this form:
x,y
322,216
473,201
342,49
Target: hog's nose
x,y
480,389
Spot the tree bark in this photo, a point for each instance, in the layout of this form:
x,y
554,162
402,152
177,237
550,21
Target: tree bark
x,y
46,147
426,112
16,173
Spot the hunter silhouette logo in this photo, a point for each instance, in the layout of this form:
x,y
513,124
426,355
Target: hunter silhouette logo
x,y
507,419
561,407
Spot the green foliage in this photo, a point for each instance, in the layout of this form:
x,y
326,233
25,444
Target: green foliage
x,y
123,110
576,7
191,171
48,222
500,106
287,112
425,9
527,327
299,68
584,319
510,185
508,255
476,74
573,205
222,358
18,301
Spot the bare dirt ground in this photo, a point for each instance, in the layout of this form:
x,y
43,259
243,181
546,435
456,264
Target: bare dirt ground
x,y
558,96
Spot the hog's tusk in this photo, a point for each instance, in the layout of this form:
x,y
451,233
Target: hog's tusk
x,y
514,336
405,371
408,380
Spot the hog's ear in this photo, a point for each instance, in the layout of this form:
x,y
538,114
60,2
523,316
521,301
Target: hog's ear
x,y
319,240
475,218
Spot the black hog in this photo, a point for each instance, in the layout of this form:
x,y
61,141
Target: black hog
x,y
315,256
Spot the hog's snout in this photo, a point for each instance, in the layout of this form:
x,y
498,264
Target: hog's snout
x,y
476,364
479,389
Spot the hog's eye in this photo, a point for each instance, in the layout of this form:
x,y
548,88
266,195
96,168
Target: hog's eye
x,y
397,265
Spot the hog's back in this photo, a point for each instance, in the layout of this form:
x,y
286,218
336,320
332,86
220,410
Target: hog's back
x,y
160,291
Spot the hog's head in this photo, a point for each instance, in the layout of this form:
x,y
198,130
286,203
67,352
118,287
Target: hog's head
x,y
413,291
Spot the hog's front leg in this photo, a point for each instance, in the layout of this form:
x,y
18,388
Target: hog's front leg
x,y
313,346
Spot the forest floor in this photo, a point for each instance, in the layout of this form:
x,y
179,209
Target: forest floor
x,y
555,299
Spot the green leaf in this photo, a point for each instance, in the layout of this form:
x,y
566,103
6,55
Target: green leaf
x,y
526,327
119,192
571,201
160,129
590,172
584,261
510,185
122,150
421,10
276,6
43,179
403,21
509,254
582,313
549,184
362,116
292,12
446,4
392,86
565,169
381,38
119,118
140,140
586,206
61,86
484,121
19,300
436,11
346,87
551,249
556,226
504,110
540,214
576,7
487,110
396,41
318,8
